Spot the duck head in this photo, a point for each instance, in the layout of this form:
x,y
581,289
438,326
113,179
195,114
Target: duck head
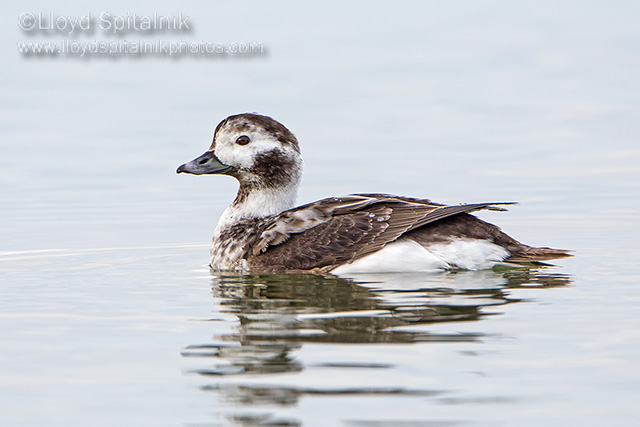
x,y
262,155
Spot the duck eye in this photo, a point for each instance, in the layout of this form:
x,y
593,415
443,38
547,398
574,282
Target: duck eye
x,y
243,140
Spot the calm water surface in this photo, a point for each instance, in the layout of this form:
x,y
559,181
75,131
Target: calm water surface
x,y
110,316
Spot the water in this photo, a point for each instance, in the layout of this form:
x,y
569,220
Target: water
x,y
110,316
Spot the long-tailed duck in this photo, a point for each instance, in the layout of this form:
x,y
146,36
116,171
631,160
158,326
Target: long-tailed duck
x,y
262,231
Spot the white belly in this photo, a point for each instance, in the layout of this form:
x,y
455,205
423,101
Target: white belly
x,y
409,256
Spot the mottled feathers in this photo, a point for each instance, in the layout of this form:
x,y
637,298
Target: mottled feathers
x,y
320,236
262,232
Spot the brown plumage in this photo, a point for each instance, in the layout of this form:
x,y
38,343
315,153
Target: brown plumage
x,y
263,233
342,230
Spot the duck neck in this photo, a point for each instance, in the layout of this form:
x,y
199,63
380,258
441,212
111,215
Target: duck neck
x,y
253,202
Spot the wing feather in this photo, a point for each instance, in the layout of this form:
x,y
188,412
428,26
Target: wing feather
x,y
321,235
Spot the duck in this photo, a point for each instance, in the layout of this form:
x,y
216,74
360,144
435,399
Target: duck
x,y
264,232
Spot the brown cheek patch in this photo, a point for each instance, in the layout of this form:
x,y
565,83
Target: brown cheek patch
x,y
274,168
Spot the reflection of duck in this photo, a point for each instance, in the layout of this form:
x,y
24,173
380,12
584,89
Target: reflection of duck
x,y
279,313
262,232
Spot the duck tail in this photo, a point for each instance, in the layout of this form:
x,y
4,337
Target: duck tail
x,y
533,254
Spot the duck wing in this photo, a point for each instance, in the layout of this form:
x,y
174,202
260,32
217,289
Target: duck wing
x,y
322,235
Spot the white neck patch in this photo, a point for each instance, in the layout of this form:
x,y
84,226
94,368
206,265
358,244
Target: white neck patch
x,y
259,203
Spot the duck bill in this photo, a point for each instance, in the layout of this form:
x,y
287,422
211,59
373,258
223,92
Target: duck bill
x,y
208,163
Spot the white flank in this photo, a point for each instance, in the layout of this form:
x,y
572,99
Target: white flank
x,y
470,254
409,256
